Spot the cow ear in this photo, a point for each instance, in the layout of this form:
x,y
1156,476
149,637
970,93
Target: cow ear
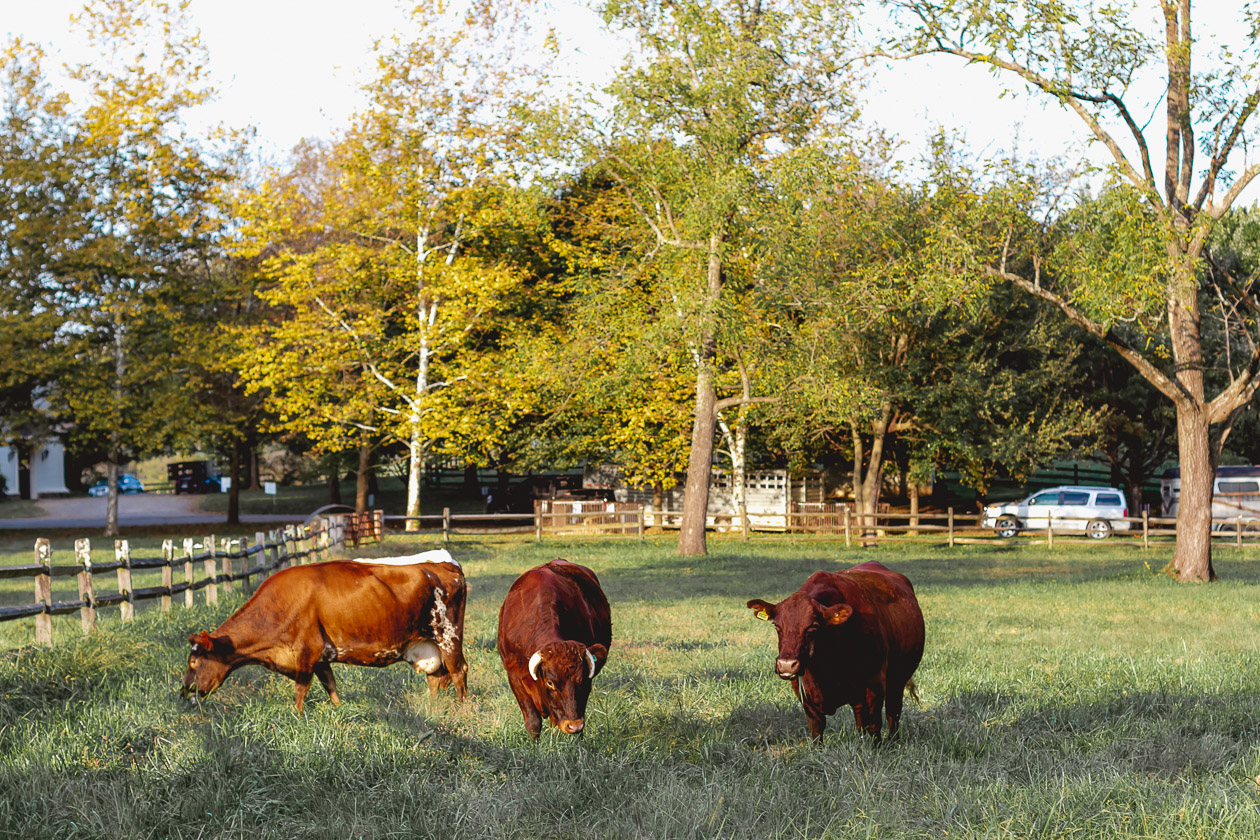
x,y
838,614
201,640
598,654
761,609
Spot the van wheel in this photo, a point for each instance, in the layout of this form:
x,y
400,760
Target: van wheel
x,y
1006,527
1098,529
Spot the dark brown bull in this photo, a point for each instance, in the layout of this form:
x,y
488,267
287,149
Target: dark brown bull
x,y
852,637
370,612
554,633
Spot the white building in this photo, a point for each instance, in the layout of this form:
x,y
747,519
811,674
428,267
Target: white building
x,y
47,466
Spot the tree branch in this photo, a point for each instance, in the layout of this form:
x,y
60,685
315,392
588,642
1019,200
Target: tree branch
x,y
1170,388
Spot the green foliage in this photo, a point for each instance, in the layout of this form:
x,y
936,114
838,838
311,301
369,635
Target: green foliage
x,y
896,328
1113,253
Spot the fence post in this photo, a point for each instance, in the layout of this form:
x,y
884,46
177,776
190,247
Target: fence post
x,y
538,526
1049,533
642,516
272,550
168,576
446,524
1146,527
227,565
212,573
43,592
260,540
87,593
951,527
848,532
122,553
188,571
1238,531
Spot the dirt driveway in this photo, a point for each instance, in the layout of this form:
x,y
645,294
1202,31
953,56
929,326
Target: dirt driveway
x,y
133,509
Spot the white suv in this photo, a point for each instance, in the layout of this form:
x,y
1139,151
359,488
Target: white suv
x,y
1095,510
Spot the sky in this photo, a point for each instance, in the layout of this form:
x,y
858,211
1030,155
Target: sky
x,y
293,69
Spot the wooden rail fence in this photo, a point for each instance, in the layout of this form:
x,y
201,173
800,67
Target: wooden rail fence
x,y
627,520
949,528
223,563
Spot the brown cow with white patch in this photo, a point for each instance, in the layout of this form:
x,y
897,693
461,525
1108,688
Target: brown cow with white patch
x,y
555,629
374,612
852,637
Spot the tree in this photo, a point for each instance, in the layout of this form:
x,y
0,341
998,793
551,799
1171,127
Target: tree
x,y
36,187
1091,59
431,161
133,192
713,92
890,344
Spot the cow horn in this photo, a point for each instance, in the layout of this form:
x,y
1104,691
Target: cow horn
x,y
590,658
533,664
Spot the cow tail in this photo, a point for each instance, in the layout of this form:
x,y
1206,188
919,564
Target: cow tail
x,y
914,691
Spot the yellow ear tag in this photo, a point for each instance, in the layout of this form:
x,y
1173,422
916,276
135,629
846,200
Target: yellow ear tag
x,y
761,613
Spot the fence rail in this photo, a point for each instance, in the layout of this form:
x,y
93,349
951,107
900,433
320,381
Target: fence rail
x,y
626,522
217,560
949,527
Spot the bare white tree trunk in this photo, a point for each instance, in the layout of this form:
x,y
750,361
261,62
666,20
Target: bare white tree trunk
x,y
736,448
426,315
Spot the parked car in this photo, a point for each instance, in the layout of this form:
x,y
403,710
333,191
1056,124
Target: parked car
x,y
193,477
1095,510
126,484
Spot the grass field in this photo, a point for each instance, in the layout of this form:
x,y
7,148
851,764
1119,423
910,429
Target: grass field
x,y
1065,694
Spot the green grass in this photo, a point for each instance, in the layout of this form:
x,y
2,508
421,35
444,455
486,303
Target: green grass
x,y
1065,694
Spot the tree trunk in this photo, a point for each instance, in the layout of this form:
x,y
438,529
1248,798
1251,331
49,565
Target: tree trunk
x,y
691,542
255,476
120,369
736,445
415,477
361,477
234,491
111,504
1192,560
869,480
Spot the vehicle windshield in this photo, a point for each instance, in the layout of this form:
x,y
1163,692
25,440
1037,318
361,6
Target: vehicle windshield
x,y
1050,497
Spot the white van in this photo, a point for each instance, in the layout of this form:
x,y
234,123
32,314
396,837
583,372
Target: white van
x,y
1235,493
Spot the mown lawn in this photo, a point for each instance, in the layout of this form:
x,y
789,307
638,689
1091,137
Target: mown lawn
x,y
1065,694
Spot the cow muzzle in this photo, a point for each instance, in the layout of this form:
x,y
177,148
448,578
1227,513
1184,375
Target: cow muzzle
x,y
787,668
572,727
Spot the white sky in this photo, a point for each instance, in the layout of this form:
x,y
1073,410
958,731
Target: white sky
x,y
292,68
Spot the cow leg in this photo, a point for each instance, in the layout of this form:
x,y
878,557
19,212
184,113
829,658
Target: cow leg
x,y
324,671
817,724
892,706
437,682
303,680
533,720
456,672
867,714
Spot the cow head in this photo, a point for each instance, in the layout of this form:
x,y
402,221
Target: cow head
x,y
209,663
798,620
563,672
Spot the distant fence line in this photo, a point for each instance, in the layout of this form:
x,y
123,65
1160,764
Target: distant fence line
x,y
837,522
269,552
